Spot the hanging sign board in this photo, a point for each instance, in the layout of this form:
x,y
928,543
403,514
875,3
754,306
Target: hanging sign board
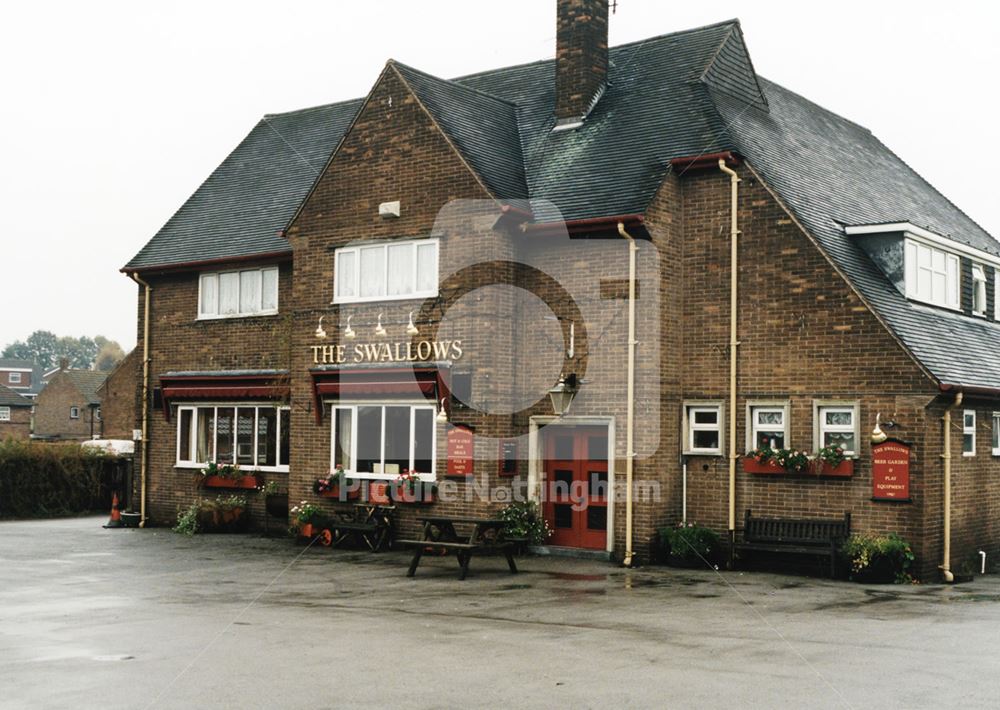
x,y
461,451
891,471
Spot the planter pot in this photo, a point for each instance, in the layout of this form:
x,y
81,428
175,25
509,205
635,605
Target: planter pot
x,y
880,570
751,465
306,530
277,505
378,493
223,521
346,493
131,520
243,482
845,469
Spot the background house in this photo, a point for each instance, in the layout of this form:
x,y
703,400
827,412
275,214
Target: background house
x,y
70,407
119,398
15,415
22,376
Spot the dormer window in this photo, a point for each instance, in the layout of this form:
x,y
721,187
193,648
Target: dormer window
x,y
932,275
978,290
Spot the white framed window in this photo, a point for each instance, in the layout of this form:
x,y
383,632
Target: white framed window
x,y
703,428
74,412
969,432
380,441
996,294
4,414
97,413
767,425
234,294
14,378
385,272
836,424
996,433
252,436
932,275
978,290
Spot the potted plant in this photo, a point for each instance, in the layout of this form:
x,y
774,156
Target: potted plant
x,y
792,460
831,461
336,484
691,545
226,476
761,461
878,559
210,515
275,499
306,515
409,488
524,523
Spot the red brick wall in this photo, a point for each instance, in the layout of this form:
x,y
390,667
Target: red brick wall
x,y
52,411
24,384
119,398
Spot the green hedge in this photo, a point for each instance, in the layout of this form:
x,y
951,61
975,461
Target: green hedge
x,y
48,480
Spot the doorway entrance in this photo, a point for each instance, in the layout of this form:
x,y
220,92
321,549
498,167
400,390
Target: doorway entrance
x,y
575,485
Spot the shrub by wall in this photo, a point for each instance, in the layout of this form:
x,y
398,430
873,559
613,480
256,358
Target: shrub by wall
x,y
48,480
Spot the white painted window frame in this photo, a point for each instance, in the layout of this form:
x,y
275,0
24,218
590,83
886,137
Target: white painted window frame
x,y
215,406
4,414
689,427
782,405
74,412
912,269
14,378
996,434
979,297
203,315
967,431
820,426
356,249
353,408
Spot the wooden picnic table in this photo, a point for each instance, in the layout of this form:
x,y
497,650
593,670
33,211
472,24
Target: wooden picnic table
x,y
367,522
440,535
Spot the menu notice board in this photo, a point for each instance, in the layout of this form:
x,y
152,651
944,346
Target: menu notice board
x,y
891,471
461,451
508,457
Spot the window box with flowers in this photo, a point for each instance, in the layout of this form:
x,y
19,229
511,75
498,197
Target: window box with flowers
x,y
776,461
410,488
336,484
832,462
226,476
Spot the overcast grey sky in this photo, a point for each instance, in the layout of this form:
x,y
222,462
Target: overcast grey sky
x,y
113,113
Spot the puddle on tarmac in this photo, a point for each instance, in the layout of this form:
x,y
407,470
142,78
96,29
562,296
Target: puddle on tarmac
x,y
505,587
573,577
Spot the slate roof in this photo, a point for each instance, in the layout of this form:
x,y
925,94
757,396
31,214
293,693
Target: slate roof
x,y
831,172
88,382
10,398
677,95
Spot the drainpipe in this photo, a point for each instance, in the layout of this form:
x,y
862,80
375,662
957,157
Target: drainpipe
x,y
144,461
734,232
630,406
946,456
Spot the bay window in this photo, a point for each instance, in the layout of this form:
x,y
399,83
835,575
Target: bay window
x,y
383,440
253,436
393,270
231,294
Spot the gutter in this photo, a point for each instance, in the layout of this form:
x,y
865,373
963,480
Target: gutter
x,y
734,233
144,461
704,161
987,391
590,224
630,395
946,456
188,265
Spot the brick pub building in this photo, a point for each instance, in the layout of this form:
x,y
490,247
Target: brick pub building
x,y
359,281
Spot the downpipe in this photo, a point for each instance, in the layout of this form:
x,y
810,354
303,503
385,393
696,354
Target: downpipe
x,y
945,566
630,396
734,233
144,461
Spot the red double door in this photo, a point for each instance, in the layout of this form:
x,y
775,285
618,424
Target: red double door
x,y
576,486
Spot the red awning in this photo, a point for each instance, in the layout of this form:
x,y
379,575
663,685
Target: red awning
x,y
363,383
188,386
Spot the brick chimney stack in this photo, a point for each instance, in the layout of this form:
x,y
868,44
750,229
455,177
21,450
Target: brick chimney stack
x,y
581,57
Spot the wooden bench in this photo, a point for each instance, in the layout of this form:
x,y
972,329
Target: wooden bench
x,y
821,538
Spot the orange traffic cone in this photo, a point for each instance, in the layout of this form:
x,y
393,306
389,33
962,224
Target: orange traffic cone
x,y
116,516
